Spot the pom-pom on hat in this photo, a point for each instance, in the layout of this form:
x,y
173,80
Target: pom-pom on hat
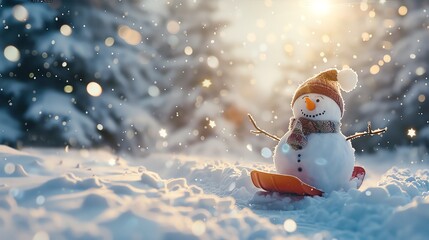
x,y
328,83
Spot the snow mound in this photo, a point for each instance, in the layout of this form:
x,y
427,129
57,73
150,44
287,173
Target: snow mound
x,y
15,163
183,197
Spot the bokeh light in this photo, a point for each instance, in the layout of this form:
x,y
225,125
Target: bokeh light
x,y
374,69
94,89
173,27
290,225
198,228
402,10
285,148
387,58
20,13
66,30
68,88
9,168
11,53
188,50
109,41
213,62
129,35
266,152
153,91
420,71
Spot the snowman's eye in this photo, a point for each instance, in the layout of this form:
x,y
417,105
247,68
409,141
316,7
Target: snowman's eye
x,y
317,100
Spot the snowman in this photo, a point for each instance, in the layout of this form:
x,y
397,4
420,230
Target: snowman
x,y
314,150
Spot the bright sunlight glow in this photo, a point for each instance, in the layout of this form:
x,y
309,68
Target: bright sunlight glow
x,y
320,6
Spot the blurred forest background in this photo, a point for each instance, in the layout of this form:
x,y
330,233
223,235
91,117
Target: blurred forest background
x,y
180,76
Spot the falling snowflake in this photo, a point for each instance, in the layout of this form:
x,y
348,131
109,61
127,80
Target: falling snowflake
x,y
163,133
411,132
212,124
206,83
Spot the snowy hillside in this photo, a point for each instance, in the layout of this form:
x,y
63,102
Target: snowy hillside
x,y
80,194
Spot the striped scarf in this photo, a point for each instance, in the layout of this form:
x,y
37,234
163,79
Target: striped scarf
x,y
302,127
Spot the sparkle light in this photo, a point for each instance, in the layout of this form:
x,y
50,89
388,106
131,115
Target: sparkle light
x,y
20,13
94,89
129,35
290,225
212,123
163,133
206,83
421,98
100,127
66,30
11,53
411,132
112,162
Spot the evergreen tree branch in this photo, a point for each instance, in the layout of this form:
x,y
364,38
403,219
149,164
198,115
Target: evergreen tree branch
x,y
368,132
259,130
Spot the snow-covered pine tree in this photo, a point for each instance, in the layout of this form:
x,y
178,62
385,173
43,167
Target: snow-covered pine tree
x,y
149,69
394,90
200,101
69,54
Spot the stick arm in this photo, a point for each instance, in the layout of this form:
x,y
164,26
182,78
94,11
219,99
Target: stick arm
x,y
369,132
259,130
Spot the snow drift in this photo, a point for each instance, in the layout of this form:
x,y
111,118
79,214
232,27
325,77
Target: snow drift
x,y
182,197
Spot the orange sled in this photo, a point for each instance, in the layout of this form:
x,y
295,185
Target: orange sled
x,y
273,182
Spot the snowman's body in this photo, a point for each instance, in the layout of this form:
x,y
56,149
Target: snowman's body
x,y
327,160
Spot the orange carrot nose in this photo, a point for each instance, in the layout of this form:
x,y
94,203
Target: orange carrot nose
x,y
310,104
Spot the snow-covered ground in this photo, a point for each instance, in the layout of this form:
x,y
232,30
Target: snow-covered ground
x,y
80,194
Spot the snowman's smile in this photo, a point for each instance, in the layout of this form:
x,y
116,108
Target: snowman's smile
x,y
313,115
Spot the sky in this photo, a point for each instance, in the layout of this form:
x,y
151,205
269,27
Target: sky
x,y
261,28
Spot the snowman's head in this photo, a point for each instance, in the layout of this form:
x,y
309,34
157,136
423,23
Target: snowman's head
x,y
317,107
319,98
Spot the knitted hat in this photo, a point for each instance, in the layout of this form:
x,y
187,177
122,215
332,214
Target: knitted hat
x,y
328,83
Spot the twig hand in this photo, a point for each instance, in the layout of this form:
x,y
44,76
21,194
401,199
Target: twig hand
x,y
368,132
259,130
